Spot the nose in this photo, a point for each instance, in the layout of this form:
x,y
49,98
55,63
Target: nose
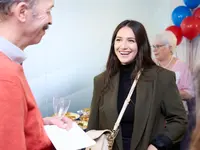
x,y
155,49
124,45
50,20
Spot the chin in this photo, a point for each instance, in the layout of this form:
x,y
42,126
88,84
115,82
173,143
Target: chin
x,y
35,41
158,58
38,38
125,62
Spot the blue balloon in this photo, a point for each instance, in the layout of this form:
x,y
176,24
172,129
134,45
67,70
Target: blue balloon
x,y
192,3
180,13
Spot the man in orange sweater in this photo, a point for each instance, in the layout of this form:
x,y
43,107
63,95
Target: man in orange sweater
x,y
22,23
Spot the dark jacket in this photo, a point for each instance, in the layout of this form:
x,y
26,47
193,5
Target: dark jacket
x,y
157,100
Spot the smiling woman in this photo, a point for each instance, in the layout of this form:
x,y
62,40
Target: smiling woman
x,y
125,45
142,126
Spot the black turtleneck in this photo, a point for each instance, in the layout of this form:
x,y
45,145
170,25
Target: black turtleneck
x,y
127,121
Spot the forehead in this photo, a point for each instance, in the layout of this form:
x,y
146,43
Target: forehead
x,y
158,42
125,32
45,4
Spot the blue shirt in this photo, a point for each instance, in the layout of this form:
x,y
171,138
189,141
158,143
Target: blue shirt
x,y
12,51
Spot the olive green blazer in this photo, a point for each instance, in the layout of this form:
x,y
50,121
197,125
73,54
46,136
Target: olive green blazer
x,y
157,100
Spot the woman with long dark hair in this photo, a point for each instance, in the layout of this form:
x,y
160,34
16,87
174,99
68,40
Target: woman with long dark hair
x,y
155,99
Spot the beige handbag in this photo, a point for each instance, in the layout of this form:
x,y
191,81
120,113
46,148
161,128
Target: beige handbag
x,y
105,138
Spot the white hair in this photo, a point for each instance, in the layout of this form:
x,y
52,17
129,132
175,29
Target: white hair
x,y
168,38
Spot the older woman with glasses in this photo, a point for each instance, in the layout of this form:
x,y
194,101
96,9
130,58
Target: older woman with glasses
x,y
163,48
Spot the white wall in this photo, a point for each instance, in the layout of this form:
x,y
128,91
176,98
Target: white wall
x,y
76,47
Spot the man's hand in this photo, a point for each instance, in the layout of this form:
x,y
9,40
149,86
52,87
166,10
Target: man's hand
x,y
64,123
151,147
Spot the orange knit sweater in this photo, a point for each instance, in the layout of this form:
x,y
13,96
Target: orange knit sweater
x,y
21,124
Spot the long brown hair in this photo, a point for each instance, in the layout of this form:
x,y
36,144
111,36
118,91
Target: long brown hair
x,y
143,58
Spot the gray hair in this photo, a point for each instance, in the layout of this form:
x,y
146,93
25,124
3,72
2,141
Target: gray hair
x,y
167,37
5,5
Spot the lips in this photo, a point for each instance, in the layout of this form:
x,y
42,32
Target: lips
x,y
45,27
124,52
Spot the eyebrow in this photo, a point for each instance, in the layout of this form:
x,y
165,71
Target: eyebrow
x,y
126,37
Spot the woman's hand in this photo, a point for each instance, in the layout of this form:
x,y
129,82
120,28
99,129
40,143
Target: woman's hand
x,y
185,95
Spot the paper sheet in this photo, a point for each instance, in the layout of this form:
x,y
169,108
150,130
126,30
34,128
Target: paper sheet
x,y
73,139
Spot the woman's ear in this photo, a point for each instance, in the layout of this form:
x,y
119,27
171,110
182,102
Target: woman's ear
x,y
170,48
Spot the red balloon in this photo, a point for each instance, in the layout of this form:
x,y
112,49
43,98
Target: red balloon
x,y
177,32
196,13
197,25
190,27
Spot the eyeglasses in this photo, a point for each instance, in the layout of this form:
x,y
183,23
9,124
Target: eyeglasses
x,y
157,46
